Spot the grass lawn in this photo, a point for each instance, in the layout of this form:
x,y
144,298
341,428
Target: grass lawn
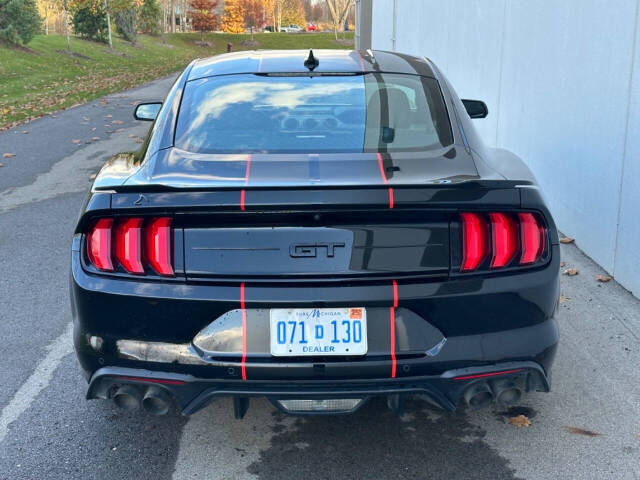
x,y
43,78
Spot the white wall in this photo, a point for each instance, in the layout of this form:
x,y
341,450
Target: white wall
x,y
562,82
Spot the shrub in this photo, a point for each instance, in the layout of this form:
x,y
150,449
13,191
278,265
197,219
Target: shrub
x,y
149,16
125,20
19,20
91,22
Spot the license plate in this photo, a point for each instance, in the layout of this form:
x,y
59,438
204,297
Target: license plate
x,y
318,331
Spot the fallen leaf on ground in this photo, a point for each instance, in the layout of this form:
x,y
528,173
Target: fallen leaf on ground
x,y
564,299
520,421
581,431
24,132
132,135
109,116
116,122
86,119
571,271
76,140
93,176
95,139
8,155
138,140
603,278
567,240
1,164
562,264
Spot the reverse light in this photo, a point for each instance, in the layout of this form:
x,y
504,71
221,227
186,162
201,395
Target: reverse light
x,y
131,243
474,240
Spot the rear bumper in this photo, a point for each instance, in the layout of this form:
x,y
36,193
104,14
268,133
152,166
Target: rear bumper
x,y
145,329
190,393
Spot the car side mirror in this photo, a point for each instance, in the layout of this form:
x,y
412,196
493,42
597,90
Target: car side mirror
x,y
147,111
476,108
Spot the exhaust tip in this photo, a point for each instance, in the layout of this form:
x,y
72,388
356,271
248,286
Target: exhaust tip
x,y
506,392
478,395
156,401
127,397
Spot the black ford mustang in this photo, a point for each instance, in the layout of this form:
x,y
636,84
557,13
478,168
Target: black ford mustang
x,y
317,228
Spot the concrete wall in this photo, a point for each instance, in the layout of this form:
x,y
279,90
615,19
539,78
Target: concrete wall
x,y
562,82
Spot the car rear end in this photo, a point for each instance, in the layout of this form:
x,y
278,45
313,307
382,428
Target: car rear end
x,y
317,279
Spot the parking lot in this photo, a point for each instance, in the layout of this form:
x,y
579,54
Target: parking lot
x,y
587,427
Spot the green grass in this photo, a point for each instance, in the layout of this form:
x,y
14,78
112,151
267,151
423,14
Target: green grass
x,y
43,78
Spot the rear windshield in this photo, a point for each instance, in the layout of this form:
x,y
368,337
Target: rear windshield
x,y
312,114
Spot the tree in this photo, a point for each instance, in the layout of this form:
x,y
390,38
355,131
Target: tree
x,y
126,23
149,15
19,20
293,13
233,18
203,17
90,21
253,14
338,12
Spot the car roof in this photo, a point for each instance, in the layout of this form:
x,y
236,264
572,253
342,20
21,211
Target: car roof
x,y
292,61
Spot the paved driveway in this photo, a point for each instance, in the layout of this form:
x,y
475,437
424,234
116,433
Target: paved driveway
x,y
588,427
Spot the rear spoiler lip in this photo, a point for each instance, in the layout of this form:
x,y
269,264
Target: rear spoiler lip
x,y
165,188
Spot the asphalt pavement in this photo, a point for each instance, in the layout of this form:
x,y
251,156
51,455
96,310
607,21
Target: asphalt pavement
x,y
588,427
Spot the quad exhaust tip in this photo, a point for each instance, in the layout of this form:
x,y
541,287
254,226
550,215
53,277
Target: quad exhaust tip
x,y
155,401
127,397
504,392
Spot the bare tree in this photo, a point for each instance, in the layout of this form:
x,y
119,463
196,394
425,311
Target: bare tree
x,y
338,11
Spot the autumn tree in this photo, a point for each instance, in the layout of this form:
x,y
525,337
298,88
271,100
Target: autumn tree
x,y
338,12
233,18
253,14
203,17
293,13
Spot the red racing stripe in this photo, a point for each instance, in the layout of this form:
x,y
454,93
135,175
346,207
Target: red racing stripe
x,y
392,329
244,332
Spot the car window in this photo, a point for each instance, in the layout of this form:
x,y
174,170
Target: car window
x,y
312,114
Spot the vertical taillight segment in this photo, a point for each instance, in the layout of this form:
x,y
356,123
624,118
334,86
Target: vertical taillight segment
x,y
158,239
128,248
474,240
531,238
99,244
132,243
503,237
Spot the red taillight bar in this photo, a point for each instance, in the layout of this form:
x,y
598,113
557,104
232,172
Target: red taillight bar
x,y
127,242
99,244
159,249
474,241
503,239
132,244
514,237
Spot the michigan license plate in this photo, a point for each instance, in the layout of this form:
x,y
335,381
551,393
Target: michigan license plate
x,y
318,331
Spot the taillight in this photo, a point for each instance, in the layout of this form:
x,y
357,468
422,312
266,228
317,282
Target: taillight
x,y
127,242
504,238
531,238
474,240
158,235
99,244
132,243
